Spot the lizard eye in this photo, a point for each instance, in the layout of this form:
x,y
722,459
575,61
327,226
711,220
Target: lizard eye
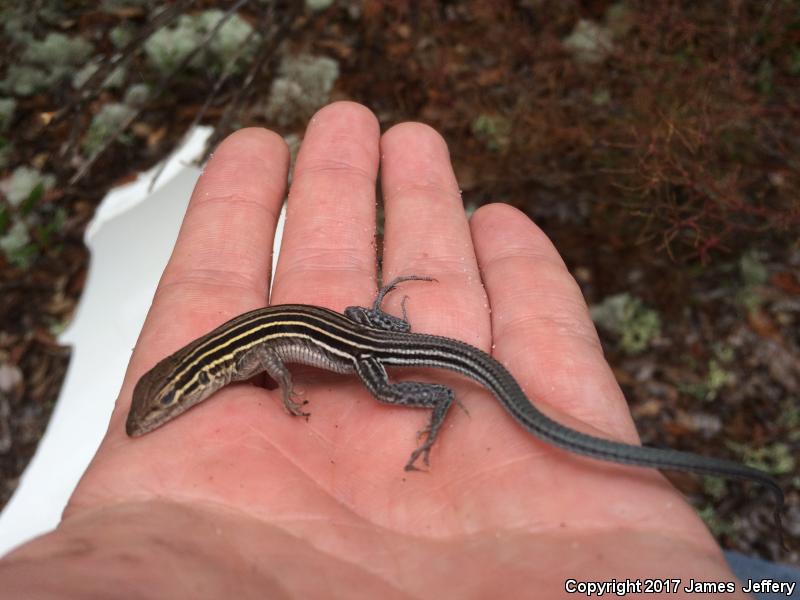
x,y
167,398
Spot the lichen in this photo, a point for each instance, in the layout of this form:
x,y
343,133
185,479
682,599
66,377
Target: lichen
x,y
776,458
16,245
627,317
105,124
230,38
169,46
493,130
45,62
58,49
137,94
23,182
121,35
114,79
318,5
303,86
590,43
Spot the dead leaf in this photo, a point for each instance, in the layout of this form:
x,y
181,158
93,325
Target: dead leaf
x,y
763,325
786,281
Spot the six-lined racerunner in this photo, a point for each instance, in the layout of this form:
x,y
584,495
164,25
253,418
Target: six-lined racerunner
x,y
365,341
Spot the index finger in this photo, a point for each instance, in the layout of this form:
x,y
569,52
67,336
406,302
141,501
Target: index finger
x,y
220,265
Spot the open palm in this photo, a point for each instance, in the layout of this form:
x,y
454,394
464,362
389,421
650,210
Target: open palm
x,y
236,490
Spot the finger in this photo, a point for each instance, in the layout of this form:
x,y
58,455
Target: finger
x,y
220,265
541,325
417,179
221,261
327,253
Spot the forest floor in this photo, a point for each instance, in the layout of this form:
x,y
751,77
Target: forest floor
x,y
658,148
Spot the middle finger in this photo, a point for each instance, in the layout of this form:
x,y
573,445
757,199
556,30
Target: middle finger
x,y
427,234
327,254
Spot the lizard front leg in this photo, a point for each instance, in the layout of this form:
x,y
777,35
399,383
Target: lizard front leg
x,y
264,359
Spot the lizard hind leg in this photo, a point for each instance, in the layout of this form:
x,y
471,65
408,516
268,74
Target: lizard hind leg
x,y
408,393
443,398
376,317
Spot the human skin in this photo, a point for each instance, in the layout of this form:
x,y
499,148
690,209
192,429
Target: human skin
x,y
237,498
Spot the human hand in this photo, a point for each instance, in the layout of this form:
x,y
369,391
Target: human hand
x,y
236,495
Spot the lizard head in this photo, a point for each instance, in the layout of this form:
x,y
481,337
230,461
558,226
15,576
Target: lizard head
x,y
155,399
167,390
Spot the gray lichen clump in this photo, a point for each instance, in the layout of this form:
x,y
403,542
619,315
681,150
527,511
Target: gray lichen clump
x,y
167,47
23,189
303,86
590,43
22,182
625,315
44,63
106,123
